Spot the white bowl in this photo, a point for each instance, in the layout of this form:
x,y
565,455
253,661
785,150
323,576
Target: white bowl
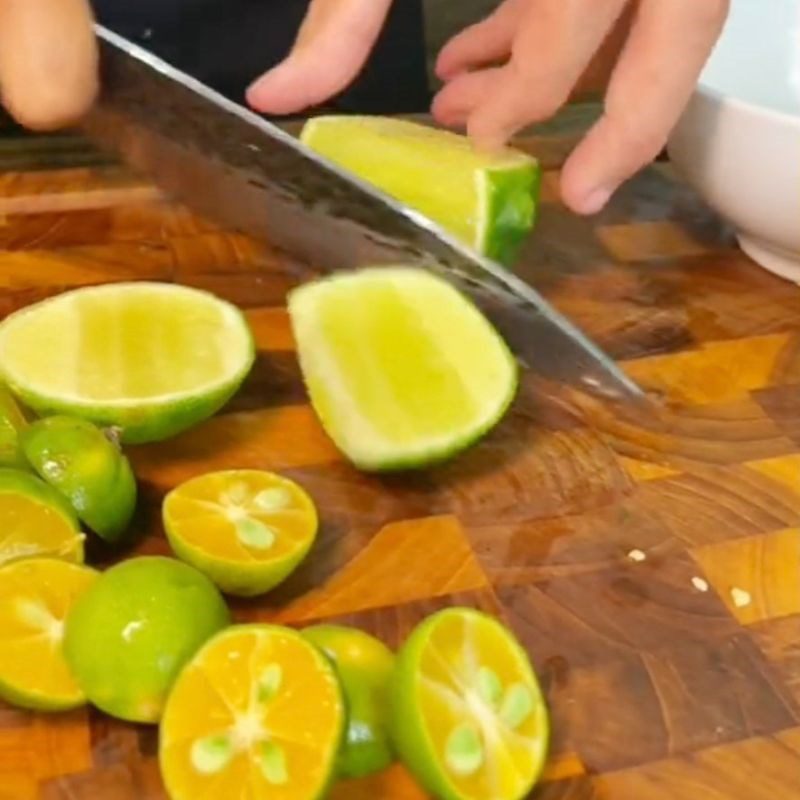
x,y
738,142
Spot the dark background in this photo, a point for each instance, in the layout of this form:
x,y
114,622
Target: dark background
x,y
228,43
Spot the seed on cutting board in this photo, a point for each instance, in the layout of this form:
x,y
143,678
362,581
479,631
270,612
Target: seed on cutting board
x,y
741,598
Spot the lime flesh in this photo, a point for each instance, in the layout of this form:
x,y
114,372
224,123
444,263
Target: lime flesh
x,y
150,359
487,201
401,369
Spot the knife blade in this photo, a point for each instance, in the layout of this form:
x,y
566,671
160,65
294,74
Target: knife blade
x,y
235,167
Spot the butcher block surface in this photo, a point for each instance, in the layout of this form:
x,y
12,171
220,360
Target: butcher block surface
x,y
650,565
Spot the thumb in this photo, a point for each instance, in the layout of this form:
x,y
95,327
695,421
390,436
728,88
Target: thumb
x,y
48,61
333,44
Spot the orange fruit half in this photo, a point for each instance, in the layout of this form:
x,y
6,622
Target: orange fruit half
x,y
258,712
247,530
35,597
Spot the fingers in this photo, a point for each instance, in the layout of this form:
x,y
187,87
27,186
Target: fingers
x,y
481,44
48,61
657,71
332,47
455,102
554,42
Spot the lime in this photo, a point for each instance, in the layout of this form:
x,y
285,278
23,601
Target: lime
x,y
36,595
256,713
128,636
468,716
247,530
364,665
151,359
80,461
488,201
12,422
402,370
35,520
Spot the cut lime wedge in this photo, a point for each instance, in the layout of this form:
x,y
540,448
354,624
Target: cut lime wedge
x,y
468,716
149,358
402,370
488,201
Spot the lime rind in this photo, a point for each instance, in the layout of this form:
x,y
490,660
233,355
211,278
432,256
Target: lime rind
x,y
351,430
87,469
127,637
138,420
364,666
436,770
509,201
12,423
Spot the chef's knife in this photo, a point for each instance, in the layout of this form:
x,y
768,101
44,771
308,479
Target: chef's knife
x,y
233,166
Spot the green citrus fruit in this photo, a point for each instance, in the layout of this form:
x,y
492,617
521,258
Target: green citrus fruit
x,y
151,359
36,595
80,461
489,201
257,713
246,529
129,635
12,422
402,370
35,520
364,665
468,716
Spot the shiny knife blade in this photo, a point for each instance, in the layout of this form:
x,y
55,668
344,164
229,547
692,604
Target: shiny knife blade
x,y
233,166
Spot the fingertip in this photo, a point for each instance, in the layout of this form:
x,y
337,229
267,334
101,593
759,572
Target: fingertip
x,y
445,67
490,125
270,93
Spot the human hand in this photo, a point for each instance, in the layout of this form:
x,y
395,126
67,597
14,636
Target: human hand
x,y
520,65
48,61
333,44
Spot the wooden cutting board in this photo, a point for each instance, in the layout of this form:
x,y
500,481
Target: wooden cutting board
x,y
651,570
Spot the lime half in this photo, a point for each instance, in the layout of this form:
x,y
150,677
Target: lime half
x,y
149,358
468,716
487,201
402,370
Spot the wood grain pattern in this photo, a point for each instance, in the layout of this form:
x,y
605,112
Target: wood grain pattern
x,y
610,544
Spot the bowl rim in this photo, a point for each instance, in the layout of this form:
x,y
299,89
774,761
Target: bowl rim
x,y
747,105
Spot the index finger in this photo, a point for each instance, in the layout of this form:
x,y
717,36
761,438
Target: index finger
x,y
333,44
